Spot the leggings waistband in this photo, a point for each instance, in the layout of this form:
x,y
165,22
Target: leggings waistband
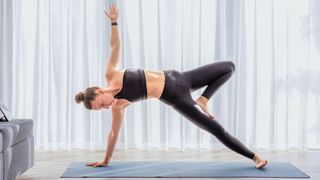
x,y
169,87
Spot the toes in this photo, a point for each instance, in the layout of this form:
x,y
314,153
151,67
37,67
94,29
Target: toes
x,y
261,164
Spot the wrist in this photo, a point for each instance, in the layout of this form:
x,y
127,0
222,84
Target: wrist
x,y
114,23
107,157
106,161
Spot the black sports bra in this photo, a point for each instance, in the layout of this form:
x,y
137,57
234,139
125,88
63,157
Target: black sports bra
x,y
134,86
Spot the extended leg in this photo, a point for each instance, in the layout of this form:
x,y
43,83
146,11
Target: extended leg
x,y
187,109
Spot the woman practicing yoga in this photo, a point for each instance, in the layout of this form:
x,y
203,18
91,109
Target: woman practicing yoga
x,y
172,87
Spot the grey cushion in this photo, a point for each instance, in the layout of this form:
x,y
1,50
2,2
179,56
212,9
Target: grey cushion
x,y
14,131
18,158
16,148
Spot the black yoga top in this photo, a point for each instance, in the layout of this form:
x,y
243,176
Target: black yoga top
x,y
134,86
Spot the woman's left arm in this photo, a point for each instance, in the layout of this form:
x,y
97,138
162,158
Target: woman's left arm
x,y
114,42
117,120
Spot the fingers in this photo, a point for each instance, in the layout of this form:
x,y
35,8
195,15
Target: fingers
x,y
99,165
90,164
96,164
110,8
113,8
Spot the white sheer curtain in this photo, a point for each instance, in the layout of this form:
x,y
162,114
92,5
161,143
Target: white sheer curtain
x,y
276,47
50,50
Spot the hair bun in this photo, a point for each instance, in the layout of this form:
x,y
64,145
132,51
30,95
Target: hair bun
x,y
79,97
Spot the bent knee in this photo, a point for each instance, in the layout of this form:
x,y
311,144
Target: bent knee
x,y
230,67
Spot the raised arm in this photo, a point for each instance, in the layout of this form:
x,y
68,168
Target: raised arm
x,y
112,63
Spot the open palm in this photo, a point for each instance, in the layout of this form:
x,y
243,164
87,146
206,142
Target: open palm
x,y
97,164
113,13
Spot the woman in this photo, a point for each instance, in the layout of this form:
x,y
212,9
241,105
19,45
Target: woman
x,y
169,86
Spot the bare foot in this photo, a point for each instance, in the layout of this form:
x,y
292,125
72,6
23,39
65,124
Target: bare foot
x,y
259,161
203,106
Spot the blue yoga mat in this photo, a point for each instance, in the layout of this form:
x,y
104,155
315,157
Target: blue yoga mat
x,y
143,169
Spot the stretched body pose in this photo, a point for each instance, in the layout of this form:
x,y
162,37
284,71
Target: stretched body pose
x,y
172,87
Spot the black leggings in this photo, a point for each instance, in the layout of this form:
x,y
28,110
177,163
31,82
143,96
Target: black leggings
x,y
177,93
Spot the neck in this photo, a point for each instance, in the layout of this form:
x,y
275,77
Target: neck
x,y
111,89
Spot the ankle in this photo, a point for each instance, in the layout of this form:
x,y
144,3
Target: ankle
x,y
203,100
256,158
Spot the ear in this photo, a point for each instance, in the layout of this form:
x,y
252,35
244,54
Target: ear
x,y
99,91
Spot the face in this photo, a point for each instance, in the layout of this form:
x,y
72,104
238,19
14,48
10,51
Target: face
x,y
103,100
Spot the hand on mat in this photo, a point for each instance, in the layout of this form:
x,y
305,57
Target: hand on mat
x,y
113,13
97,164
205,109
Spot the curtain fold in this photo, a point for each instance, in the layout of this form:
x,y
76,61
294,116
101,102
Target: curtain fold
x,y
275,46
51,49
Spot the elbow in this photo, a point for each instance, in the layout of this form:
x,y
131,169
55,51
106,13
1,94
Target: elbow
x,y
113,136
115,45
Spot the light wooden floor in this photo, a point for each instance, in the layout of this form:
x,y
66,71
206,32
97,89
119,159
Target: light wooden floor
x,y
51,165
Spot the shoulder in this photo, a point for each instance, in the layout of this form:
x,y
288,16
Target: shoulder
x,y
113,75
120,104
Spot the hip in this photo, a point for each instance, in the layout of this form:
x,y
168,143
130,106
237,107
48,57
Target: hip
x,y
176,88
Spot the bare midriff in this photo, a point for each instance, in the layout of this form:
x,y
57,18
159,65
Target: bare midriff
x,y
155,81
